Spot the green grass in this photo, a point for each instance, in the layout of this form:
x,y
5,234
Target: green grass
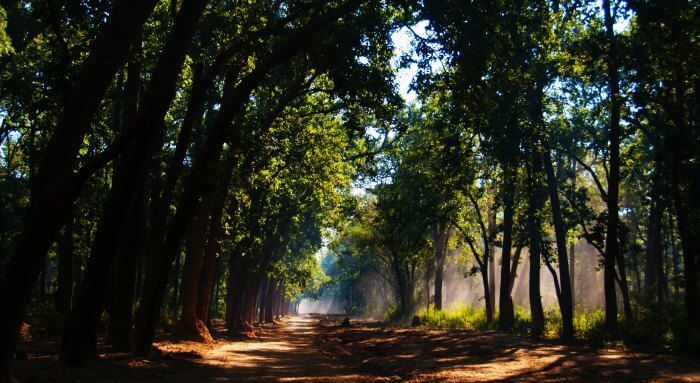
x,y
663,330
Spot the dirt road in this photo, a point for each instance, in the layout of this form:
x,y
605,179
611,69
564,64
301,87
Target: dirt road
x,y
316,349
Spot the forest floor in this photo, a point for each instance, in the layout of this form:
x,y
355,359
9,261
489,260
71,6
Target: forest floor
x,y
317,349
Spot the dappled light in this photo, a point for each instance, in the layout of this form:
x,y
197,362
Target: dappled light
x,y
349,191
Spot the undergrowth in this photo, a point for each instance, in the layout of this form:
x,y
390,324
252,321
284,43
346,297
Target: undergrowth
x,y
656,330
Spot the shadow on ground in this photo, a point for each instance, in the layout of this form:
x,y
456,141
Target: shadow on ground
x,y
317,349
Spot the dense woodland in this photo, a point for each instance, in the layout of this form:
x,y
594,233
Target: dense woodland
x,y
182,163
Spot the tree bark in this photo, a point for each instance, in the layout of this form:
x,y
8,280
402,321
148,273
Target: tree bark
x,y
124,281
270,301
190,327
506,314
65,248
565,298
612,245
535,225
440,244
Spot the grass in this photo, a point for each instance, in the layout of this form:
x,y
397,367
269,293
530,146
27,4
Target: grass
x,y
652,330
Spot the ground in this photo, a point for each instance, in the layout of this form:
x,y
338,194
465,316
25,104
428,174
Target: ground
x,y
317,349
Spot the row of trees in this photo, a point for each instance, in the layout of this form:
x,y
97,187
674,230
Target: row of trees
x,y
182,152
539,123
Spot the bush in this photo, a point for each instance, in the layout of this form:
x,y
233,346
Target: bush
x,y
457,317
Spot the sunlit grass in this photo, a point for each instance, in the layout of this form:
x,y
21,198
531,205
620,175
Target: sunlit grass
x,y
655,330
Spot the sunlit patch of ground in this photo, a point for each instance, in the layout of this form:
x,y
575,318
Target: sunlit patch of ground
x,y
416,355
316,349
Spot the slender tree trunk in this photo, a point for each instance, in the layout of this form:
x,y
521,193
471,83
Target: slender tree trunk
x,y
266,286
566,298
572,274
484,270
612,245
440,245
270,301
535,225
654,245
506,314
491,259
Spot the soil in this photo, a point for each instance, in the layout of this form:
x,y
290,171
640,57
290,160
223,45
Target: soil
x,y
318,349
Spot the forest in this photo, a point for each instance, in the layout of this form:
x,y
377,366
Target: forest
x,y
198,190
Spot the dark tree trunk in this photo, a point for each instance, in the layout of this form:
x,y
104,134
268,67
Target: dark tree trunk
x,y
612,245
535,225
65,248
491,256
190,327
565,298
124,281
506,314
131,246
270,301
572,274
439,244
484,270
213,247
654,241
266,286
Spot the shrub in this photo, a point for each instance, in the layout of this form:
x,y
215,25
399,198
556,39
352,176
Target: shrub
x,y
457,317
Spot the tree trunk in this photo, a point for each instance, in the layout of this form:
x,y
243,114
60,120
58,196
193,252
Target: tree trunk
x,y
440,244
266,286
535,236
65,249
491,256
213,247
612,245
506,314
270,301
190,327
124,281
654,243
565,298
484,270
572,274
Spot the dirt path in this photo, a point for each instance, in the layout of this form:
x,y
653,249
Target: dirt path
x,y
316,349
288,353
